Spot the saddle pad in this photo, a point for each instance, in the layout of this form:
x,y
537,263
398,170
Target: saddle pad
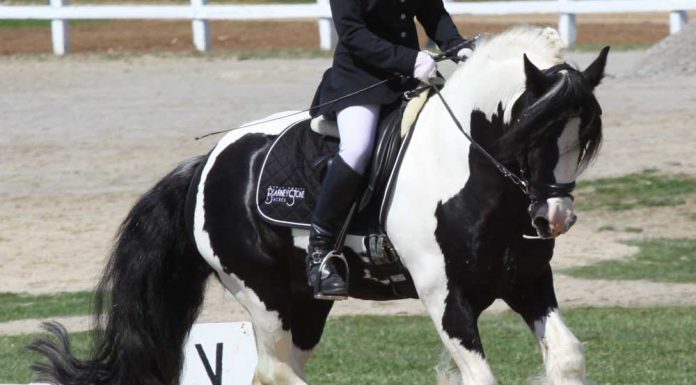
x,y
291,175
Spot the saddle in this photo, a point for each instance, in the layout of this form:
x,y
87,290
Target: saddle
x,y
292,173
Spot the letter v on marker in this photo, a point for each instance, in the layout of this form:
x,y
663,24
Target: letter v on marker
x,y
215,377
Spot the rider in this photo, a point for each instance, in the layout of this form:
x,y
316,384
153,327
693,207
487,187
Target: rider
x,y
376,40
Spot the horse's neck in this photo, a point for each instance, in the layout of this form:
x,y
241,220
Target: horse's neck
x,y
436,165
437,136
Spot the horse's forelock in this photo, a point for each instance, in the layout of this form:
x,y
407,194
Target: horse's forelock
x,y
568,97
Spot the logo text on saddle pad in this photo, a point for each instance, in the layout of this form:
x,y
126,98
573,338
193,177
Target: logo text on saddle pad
x,y
284,194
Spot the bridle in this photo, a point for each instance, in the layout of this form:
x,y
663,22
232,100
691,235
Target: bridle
x,y
536,191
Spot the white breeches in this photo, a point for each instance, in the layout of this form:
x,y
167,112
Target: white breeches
x,y
357,126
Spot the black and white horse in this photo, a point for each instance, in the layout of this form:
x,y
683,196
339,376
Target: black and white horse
x,y
460,227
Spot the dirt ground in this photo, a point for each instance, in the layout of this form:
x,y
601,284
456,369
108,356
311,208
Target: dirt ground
x,y
128,36
82,137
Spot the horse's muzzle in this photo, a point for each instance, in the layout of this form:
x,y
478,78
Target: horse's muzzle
x,y
552,217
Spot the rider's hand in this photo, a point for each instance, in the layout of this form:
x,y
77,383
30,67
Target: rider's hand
x,y
425,68
464,53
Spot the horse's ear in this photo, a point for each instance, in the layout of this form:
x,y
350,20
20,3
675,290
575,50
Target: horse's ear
x,y
536,81
595,72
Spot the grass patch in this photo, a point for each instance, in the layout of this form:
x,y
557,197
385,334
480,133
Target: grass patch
x,y
15,358
25,23
280,53
596,47
624,346
645,189
664,260
15,306
44,23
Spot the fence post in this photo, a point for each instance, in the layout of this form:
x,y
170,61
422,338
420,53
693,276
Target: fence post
x,y
677,21
327,32
60,31
567,27
201,27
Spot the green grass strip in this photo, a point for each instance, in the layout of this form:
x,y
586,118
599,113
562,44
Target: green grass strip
x,y
596,47
662,260
623,346
15,358
16,306
644,189
279,53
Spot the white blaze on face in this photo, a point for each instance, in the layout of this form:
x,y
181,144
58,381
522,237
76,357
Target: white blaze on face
x,y
560,210
568,151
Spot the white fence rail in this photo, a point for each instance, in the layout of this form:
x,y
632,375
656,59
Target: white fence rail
x,y
200,13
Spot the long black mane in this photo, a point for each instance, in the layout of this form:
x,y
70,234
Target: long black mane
x,y
539,116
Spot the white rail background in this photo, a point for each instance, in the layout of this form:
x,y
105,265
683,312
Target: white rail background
x,y
60,12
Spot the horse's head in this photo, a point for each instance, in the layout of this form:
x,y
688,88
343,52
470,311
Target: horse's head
x,y
556,131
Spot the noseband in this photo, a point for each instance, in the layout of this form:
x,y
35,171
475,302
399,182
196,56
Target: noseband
x,y
541,191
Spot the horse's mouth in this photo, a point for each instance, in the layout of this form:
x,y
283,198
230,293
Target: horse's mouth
x,y
543,228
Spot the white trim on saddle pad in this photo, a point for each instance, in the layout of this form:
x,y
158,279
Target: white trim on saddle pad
x,y
325,127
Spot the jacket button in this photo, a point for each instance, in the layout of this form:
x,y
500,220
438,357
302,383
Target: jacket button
x,y
403,34
403,16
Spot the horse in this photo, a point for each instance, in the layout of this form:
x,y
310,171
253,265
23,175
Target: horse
x,y
466,234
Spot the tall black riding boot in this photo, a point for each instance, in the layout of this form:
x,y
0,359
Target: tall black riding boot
x,y
338,193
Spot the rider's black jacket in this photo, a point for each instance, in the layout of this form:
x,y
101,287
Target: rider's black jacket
x,y
376,40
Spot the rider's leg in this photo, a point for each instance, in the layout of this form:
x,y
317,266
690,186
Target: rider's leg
x,y
357,126
343,181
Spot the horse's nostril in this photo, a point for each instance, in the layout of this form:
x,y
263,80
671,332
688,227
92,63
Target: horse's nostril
x,y
571,221
540,222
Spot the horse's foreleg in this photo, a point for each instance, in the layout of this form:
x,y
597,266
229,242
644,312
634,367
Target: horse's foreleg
x,y
456,321
563,354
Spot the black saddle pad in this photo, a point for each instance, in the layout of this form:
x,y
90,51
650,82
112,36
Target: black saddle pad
x,y
295,166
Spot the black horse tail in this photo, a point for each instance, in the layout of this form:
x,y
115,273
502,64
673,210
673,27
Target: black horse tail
x,y
146,302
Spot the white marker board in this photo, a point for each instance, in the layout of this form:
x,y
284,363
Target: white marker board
x,y
220,354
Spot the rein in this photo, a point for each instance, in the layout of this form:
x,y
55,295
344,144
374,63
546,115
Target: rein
x,y
519,181
536,191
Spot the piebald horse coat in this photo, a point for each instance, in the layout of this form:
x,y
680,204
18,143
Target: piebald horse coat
x,y
458,225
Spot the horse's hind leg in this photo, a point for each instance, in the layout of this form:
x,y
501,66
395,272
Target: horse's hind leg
x,y
308,321
563,354
278,360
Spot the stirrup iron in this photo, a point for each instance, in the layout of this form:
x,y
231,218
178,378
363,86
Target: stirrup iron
x,y
333,254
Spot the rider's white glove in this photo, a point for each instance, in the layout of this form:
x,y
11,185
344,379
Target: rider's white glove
x,y
425,68
464,53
